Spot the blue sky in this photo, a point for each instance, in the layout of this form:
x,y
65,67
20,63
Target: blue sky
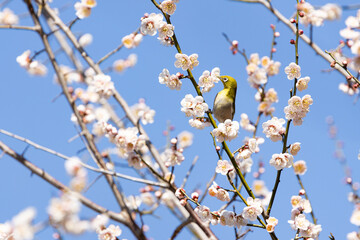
x,y
27,108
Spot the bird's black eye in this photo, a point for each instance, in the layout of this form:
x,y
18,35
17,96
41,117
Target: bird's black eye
x,y
225,79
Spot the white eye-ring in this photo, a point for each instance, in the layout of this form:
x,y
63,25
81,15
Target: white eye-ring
x,y
225,79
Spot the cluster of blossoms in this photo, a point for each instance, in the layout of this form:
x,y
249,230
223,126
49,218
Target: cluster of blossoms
x,y
274,129
281,161
298,220
173,155
8,17
143,112
316,17
122,64
63,213
226,131
258,75
171,81
294,71
77,172
89,114
251,145
33,67
352,35
70,75
195,107
186,62
126,139
83,8
207,79
132,40
20,227
153,23
298,108
266,100
218,192
102,85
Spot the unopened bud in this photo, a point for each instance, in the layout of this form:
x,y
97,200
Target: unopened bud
x,y
348,78
292,41
292,20
332,64
173,141
273,50
348,180
217,148
272,26
195,196
277,34
235,43
345,63
301,32
302,192
301,14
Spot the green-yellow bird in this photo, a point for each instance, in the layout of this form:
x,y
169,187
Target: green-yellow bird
x,y
224,102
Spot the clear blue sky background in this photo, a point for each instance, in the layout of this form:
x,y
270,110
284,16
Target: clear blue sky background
x,y
27,108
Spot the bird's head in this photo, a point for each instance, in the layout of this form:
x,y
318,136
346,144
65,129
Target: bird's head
x,y
229,82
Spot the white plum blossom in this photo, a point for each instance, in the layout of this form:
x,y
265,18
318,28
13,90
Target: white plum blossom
x,y
223,167
353,236
165,30
300,167
333,11
258,77
143,112
282,160
345,88
259,188
171,157
8,17
193,106
222,195
271,223
301,204
207,79
186,62
298,108
203,213
355,217
168,6
185,139
226,131
274,129
240,221
302,83
171,81
37,68
245,164
253,209
24,59
151,23
85,40
132,40
82,10
293,71
227,218
109,233
135,161
295,148
301,222
103,85
199,124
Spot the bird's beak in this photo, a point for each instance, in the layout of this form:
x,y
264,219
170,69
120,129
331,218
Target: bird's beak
x,y
220,78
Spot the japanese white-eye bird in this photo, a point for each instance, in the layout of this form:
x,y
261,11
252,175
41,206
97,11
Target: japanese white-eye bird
x,y
224,102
